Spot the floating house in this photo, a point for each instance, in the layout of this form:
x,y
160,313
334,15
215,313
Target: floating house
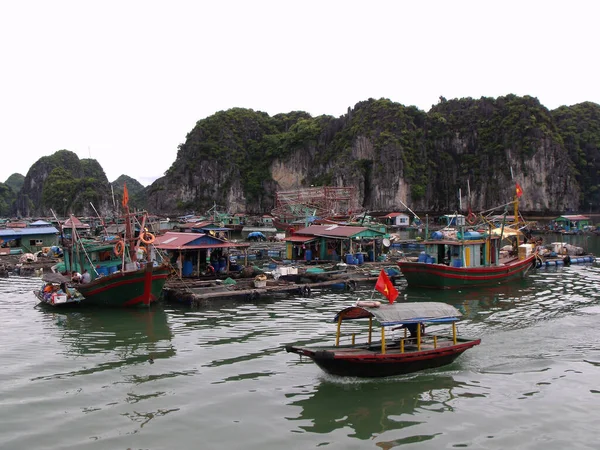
x,y
396,220
195,254
334,243
575,222
30,239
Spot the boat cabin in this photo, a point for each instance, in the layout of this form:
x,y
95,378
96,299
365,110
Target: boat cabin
x,y
466,249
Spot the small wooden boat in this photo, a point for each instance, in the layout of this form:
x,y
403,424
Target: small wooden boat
x,y
57,292
391,355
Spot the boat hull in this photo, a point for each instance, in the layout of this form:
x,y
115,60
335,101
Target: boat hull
x,y
441,276
124,289
336,360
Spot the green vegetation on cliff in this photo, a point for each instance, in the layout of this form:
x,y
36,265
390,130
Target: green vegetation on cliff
x,y
15,182
136,191
579,128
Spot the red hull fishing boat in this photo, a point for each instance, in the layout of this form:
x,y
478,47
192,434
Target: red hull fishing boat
x,y
473,259
472,254
124,272
391,355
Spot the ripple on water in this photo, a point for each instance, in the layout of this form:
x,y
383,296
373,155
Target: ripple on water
x,y
124,379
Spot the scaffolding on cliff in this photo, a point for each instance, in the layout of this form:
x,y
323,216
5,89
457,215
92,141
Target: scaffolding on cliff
x,y
321,201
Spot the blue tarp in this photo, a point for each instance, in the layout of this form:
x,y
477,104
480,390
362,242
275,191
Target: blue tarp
x,y
256,234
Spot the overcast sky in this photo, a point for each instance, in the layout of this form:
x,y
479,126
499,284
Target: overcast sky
x,y
123,82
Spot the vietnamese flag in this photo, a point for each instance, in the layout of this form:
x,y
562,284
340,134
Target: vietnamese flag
x,y
519,191
125,195
385,286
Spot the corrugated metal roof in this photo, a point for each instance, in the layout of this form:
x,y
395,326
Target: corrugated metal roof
x,y
395,214
173,240
75,221
331,230
573,217
191,241
300,239
401,313
29,231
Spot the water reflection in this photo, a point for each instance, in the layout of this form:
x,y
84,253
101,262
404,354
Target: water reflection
x,y
118,337
370,408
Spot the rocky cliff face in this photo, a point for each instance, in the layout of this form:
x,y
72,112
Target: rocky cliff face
x,y
65,184
395,155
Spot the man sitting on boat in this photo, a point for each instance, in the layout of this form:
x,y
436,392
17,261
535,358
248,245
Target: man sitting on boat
x,y
85,276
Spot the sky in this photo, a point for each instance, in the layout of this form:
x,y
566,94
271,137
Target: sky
x,y
123,82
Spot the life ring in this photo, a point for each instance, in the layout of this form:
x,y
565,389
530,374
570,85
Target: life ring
x,y
118,248
472,218
368,304
147,237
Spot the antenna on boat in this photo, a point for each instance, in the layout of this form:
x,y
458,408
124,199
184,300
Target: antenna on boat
x,y
101,219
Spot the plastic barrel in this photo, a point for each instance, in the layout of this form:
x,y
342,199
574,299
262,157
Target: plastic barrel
x,y
112,269
102,270
187,269
308,255
457,263
349,259
371,255
361,258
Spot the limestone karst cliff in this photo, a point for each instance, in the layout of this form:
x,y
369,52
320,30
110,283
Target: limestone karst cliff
x,y
394,154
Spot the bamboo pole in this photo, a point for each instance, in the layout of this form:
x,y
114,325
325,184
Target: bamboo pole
x,y
383,340
337,335
454,332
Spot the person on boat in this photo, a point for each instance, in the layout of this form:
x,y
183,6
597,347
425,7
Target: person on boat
x,y
85,276
412,329
76,278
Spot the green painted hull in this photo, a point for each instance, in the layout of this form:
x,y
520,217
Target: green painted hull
x,y
440,276
137,288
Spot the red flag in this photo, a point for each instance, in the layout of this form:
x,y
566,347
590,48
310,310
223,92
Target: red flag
x,y
125,195
519,191
385,286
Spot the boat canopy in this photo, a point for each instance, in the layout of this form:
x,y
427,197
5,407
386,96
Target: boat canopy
x,y
402,313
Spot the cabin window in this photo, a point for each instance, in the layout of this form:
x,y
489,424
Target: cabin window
x,y
36,243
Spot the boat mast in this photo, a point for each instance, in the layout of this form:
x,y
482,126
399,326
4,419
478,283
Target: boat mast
x,y
128,227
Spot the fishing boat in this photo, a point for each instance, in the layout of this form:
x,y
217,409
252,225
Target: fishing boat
x,y
391,355
458,259
124,272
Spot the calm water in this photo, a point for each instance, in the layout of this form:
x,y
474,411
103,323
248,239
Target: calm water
x,y
218,377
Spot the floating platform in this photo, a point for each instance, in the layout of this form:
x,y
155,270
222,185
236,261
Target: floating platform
x,y
552,262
